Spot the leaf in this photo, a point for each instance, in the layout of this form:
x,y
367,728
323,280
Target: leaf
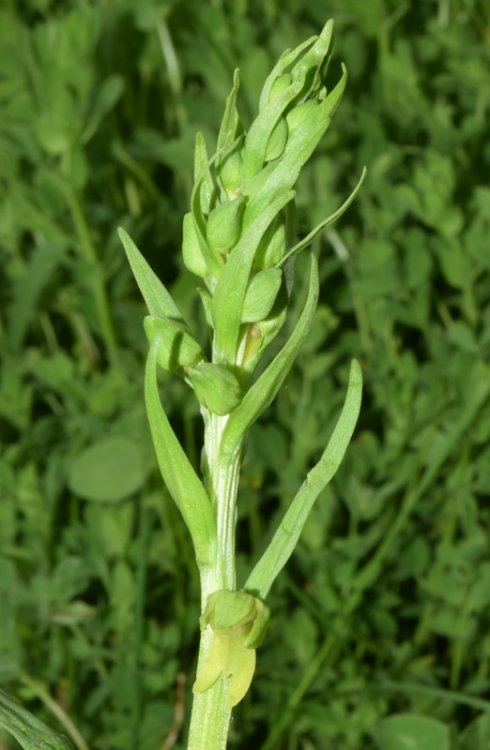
x,y
265,388
411,732
229,295
107,96
158,301
201,199
313,59
254,154
108,471
27,290
230,126
286,537
178,474
270,111
325,223
29,732
476,736
301,143
203,181
286,59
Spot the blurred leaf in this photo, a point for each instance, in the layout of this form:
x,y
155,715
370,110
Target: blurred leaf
x,y
108,471
411,732
476,736
29,732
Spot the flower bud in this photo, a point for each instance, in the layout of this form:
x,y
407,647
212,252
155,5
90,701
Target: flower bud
x,y
191,250
177,348
280,84
277,140
261,295
272,246
224,224
300,114
230,172
216,388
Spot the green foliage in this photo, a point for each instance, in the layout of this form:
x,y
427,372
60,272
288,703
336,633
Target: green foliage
x,y
410,731
100,103
31,733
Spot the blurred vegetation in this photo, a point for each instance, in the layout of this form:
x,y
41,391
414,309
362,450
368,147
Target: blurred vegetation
x,y
100,102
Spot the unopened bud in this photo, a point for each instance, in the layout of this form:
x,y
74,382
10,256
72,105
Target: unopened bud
x,y
177,348
224,224
299,114
277,140
261,295
230,172
272,246
280,84
191,250
216,388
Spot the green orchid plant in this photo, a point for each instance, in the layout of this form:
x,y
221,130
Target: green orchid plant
x,y
238,239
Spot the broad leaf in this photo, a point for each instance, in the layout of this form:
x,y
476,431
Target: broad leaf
x,y
108,471
411,732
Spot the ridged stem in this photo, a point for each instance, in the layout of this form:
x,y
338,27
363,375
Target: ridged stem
x,y
211,715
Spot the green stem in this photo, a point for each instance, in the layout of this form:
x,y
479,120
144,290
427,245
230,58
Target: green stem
x,y
211,715
210,718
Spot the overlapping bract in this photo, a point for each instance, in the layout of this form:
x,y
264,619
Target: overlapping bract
x,y
240,227
238,235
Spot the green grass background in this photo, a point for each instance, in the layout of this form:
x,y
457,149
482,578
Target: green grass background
x,y
99,104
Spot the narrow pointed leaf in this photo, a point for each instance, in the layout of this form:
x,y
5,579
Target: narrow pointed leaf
x,y
287,58
30,732
158,301
203,180
313,58
302,141
261,129
265,388
270,111
182,481
212,259
286,537
230,124
325,223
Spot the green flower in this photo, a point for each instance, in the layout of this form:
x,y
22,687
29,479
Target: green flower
x,y
239,621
